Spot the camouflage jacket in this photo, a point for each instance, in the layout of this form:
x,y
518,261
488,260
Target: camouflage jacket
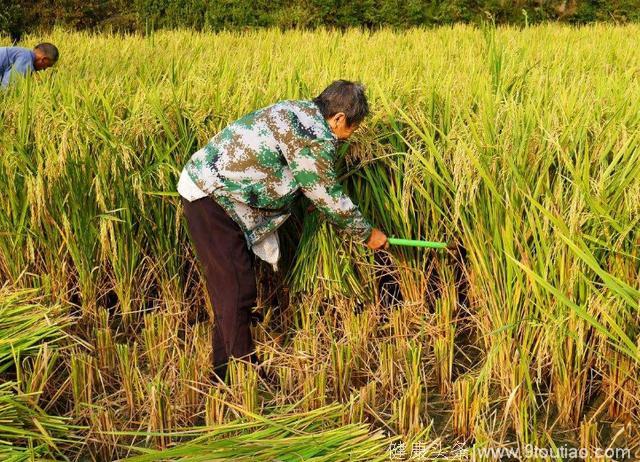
x,y
258,165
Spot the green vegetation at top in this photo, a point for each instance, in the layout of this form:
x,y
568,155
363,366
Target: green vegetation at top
x,y
141,15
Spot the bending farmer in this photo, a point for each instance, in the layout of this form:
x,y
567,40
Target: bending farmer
x,y
237,190
17,60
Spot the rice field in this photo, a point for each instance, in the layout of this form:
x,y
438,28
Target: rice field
x,y
518,147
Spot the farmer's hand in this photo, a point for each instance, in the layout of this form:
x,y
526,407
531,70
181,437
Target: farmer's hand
x,y
377,240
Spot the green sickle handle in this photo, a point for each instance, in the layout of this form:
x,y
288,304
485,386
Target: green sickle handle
x,y
413,243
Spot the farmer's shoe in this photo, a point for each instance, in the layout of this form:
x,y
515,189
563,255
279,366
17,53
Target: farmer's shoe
x,y
256,317
220,373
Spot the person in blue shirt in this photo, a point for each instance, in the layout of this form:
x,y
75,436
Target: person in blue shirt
x,y
17,60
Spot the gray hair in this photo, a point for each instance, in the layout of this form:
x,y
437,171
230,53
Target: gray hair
x,y
49,50
343,96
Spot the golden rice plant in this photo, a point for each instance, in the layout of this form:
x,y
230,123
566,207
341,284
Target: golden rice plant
x,y
518,147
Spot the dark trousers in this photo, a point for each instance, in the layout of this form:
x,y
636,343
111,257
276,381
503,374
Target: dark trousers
x,y
228,267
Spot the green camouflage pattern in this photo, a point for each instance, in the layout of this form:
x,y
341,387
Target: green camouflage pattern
x,y
259,164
